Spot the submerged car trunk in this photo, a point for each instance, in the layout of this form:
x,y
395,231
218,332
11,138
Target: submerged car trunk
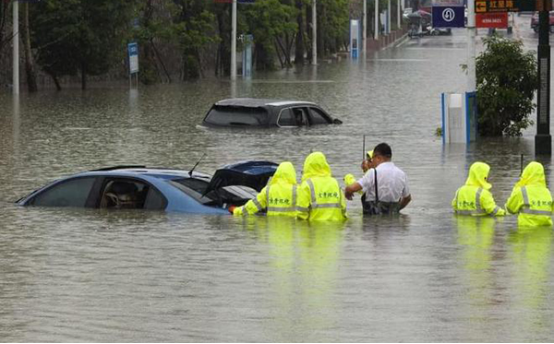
x,y
253,174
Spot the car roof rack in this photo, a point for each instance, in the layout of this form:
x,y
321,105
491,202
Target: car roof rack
x,y
119,167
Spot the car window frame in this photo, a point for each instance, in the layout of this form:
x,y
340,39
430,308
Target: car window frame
x,y
107,179
32,199
291,108
325,115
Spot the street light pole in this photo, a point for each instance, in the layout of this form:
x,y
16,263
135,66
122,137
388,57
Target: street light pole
x,y
543,140
234,41
364,26
376,19
471,74
15,40
314,32
398,16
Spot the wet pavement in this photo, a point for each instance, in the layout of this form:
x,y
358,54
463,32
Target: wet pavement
x,y
71,275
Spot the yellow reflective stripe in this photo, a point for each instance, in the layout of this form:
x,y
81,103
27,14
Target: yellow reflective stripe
x,y
314,204
327,206
525,197
526,208
478,210
257,204
281,209
535,212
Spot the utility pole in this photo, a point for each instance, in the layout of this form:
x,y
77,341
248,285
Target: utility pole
x,y
234,41
364,26
15,41
399,15
314,32
388,17
543,140
376,19
471,76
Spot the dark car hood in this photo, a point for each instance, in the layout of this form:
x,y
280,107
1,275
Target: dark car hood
x,y
254,174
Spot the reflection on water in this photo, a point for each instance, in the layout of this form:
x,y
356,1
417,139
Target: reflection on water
x,y
81,275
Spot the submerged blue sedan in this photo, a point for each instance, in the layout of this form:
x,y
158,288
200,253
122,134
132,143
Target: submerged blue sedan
x,y
139,187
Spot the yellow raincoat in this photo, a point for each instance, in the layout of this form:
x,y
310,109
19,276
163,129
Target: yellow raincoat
x,y
320,197
278,197
530,198
474,198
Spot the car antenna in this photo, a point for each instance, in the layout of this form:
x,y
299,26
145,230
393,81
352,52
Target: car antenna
x,y
192,170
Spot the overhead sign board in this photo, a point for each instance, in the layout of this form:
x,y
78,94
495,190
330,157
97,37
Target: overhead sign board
x,y
447,3
492,20
448,17
495,6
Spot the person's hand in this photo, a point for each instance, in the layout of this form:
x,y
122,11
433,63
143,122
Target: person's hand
x,y
365,166
348,194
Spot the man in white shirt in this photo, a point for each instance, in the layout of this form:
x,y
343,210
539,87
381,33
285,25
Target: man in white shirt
x,y
385,186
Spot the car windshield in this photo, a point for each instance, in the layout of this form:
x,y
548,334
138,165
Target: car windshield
x,y
236,116
195,188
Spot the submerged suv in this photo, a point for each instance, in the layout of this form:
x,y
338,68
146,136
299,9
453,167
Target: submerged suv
x,y
249,112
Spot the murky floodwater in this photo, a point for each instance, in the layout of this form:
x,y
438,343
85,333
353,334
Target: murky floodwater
x,y
78,275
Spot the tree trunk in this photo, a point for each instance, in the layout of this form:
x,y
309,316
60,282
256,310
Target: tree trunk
x,y
299,51
309,32
30,70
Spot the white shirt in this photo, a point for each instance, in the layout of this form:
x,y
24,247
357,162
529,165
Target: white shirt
x,y
392,183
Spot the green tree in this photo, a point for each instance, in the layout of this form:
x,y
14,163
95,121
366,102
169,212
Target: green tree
x,y
80,36
272,24
506,82
194,29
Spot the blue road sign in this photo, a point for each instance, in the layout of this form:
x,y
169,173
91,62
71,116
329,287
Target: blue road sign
x,y
452,16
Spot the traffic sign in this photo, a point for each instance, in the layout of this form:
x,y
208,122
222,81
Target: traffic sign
x,y
132,50
495,6
445,17
492,20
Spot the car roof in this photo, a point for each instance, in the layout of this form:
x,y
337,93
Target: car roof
x,y
254,102
155,172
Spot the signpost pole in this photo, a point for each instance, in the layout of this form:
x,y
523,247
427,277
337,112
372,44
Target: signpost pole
x,y
15,41
543,140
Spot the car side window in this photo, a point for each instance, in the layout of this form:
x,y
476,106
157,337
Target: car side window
x,y
286,118
127,193
70,193
318,116
300,116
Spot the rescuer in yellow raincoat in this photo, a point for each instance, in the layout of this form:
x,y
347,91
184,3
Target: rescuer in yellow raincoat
x,y
530,198
278,197
320,197
474,198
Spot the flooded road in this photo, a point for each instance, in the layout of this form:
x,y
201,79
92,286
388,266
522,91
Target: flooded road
x,y
70,275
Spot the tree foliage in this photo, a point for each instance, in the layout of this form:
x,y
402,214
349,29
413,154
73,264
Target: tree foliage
x,y
89,37
506,83
82,36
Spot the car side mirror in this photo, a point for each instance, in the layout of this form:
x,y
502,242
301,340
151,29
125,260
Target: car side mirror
x,y
337,121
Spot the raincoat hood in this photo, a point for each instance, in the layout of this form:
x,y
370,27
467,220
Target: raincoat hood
x,y
285,174
369,154
478,174
533,174
316,166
